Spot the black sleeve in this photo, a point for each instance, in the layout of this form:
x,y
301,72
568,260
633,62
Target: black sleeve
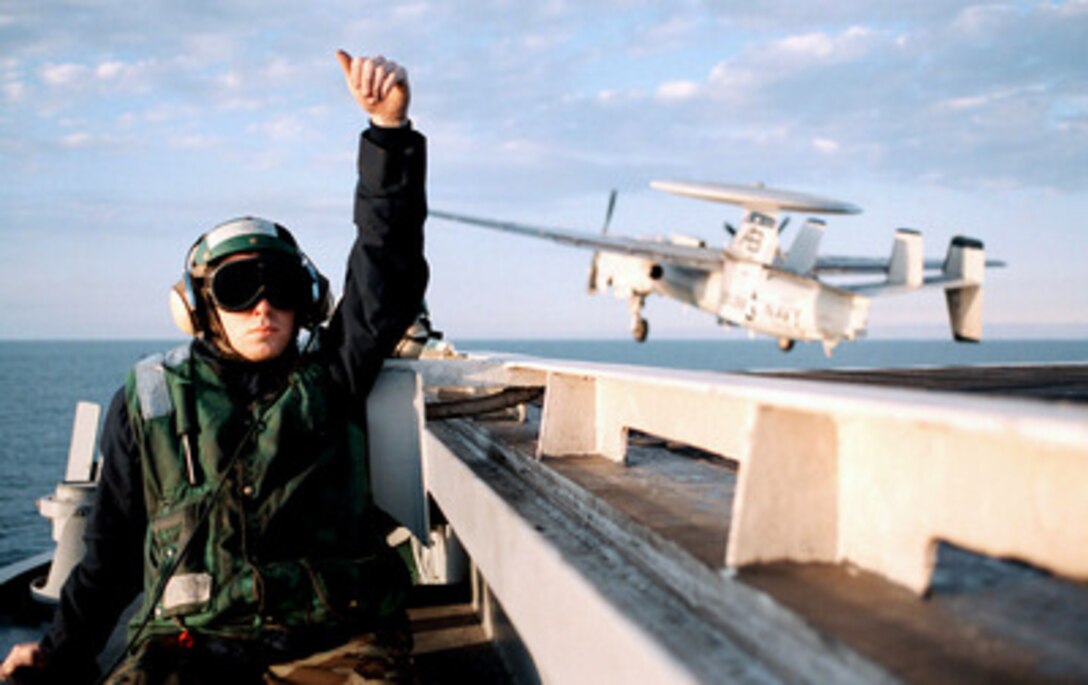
x,y
111,572
386,271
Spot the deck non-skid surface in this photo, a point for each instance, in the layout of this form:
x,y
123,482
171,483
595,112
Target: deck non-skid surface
x,y
990,621
984,620
684,498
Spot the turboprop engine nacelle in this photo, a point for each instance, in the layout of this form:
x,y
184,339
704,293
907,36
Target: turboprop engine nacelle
x,y
624,274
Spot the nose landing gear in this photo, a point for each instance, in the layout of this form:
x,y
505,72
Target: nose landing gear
x,y
640,327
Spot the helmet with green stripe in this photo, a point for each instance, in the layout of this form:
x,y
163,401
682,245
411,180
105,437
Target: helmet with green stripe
x,y
247,234
190,302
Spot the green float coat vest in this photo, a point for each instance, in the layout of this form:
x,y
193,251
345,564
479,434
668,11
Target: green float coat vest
x,y
289,541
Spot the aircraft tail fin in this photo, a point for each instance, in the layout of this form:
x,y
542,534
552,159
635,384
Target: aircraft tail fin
x,y
906,265
965,264
802,254
757,240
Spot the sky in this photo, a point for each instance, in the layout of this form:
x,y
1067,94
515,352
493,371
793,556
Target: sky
x,y
129,128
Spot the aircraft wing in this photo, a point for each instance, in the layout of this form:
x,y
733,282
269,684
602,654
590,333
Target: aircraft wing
x,y
832,265
850,265
681,255
937,281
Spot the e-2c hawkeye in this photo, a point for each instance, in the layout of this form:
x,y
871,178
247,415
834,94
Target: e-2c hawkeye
x,y
754,284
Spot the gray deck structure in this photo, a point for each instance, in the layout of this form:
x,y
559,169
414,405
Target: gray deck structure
x,y
646,539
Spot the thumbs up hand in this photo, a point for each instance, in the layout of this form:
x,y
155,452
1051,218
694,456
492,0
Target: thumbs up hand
x,y
380,86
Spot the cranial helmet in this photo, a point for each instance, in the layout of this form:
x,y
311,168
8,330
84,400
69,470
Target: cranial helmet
x,y
191,299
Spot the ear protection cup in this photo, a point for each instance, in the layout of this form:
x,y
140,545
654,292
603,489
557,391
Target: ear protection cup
x,y
321,305
185,307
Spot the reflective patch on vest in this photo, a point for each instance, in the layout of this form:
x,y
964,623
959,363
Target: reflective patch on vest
x,y
151,387
177,356
186,589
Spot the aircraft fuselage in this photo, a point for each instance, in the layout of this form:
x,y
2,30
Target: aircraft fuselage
x,y
765,299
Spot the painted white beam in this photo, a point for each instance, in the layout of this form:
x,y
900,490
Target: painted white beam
x,y
573,635
832,472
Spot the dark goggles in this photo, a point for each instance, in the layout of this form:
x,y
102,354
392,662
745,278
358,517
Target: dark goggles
x,y
238,285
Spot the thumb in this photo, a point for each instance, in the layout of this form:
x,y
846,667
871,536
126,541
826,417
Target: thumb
x,y
345,62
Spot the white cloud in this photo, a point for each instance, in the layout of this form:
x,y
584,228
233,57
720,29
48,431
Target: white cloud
x,y
131,77
610,96
14,90
231,80
109,75
674,91
109,70
524,150
540,42
195,142
1073,7
88,139
285,128
810,45
983,19
60,75
279,71
810,50
825,145
732,76
764,67
80,139
666,35
411,11
961,103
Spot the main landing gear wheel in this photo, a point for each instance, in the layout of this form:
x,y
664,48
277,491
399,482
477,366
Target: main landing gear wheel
x,y
641,330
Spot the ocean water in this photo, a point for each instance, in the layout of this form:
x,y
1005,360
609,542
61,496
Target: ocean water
x,y
40,383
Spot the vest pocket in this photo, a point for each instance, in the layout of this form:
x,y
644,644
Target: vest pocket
x,y
189,587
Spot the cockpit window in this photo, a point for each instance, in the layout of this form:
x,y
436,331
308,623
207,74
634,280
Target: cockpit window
x,y
761,219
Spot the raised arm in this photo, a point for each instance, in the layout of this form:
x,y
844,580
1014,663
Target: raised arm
x,y
386,274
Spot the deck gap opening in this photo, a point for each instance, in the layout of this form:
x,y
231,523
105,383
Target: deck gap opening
x,y
1016,602
644,439
962,571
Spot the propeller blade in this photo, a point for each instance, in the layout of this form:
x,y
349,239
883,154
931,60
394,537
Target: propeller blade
x,y
608,212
